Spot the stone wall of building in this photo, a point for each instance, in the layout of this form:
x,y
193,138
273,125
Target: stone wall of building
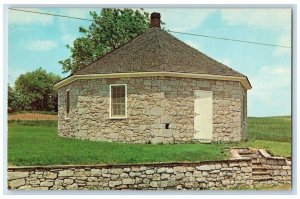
x,y
152,102
234,173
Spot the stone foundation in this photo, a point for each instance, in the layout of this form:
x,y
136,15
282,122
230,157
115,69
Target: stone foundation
x,y
248,168
152,102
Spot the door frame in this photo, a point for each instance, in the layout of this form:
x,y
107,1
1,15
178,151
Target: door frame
x,y
207,116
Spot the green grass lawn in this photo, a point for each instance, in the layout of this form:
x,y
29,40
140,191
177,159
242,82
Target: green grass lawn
x,y
273,147
40,145
271,133
37,143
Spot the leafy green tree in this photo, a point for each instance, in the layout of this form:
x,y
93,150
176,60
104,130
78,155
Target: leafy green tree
x,y
109,30
16,100
11,100
34,91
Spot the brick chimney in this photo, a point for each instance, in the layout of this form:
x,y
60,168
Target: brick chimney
x,y
155,20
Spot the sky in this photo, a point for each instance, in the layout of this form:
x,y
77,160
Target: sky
x,y
40,41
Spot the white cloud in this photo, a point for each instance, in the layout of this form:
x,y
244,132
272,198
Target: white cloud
x,y
271,91
194,44
25,18
269,78
68,38
41,45
14,73
285,40
225,61
183,19
67,34
282,71
274,20
259,18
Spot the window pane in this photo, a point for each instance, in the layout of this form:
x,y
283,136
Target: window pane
x,y
114,108
118,100
122,109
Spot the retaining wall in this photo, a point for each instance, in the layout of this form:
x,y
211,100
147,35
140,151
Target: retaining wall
x,y
196,176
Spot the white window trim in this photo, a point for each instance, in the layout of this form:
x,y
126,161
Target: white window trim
x,y
67,114
110,95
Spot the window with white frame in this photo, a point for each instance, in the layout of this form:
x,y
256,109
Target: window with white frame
x,y
118,101
67,104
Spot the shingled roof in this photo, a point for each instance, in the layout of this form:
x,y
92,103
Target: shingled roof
x,y
157,51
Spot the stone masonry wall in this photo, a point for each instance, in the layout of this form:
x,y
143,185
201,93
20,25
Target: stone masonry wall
x,y
212,175
234,173
152,102
278,169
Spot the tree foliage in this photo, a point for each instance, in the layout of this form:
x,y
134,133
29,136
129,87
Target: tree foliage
x,y
109,30
12,100
34,91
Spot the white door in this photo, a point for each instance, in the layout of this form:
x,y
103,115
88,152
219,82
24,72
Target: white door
x,y
203,115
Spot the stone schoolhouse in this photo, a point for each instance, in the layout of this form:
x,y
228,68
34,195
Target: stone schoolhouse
x,y
154,89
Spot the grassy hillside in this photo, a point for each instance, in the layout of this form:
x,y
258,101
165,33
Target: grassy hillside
x,y
270,128
270,133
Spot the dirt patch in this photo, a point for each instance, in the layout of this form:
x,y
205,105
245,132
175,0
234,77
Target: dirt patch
x,y
32,116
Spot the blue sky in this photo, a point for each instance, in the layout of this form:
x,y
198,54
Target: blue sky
x,y
39,41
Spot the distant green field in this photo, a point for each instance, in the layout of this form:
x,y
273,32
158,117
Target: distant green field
x,y
37,143
270,128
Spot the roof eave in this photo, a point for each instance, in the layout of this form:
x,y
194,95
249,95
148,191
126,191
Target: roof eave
x,y
243,79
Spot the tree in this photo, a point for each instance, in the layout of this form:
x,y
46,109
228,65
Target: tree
x,y
11,100
34,91
109,30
